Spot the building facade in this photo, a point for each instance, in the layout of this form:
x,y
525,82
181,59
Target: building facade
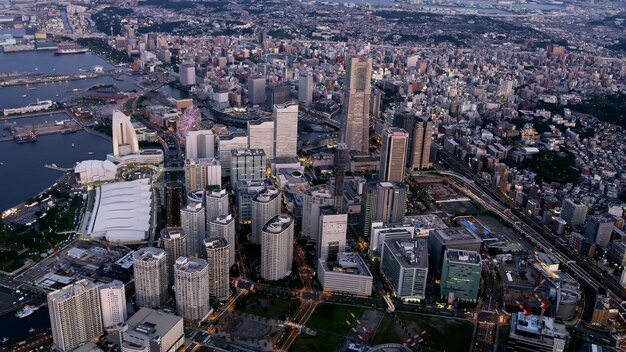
x,y
192,288
174,243
194,225
266,204
113,303
277,247
460,275
150,273
224,227
393,155
218,251
356,106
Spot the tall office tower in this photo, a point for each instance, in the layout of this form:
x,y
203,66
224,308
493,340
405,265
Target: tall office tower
x,y
261,135
200,173
276,95
224,226
277,247
124,135
404,262
174,242
536,333
75,314
200,144
192,288
384,201
285,130
341,164
265,205
187,75
314,198
305,89
420,129
246,189
227,143
256,90
460,275
573,212
356,105
216,203
376,96
393,155
421,139
247,164
440,240
113,303
150,272
333,228
194,224
599,230
218,251
173,202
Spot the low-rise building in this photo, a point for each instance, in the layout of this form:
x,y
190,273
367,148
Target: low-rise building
x,y
348,274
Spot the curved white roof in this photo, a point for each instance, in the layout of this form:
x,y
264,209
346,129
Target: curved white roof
x,y
122,211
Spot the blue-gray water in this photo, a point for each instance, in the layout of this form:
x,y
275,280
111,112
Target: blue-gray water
x,y
22,172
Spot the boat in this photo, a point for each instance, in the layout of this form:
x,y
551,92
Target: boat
x,y
31,330
70,48
24,96
32,88
26,311
72,145
4,339
26,138
89,153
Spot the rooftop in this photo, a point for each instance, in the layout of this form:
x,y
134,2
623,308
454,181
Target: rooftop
x,y
455,234
223,219
147,254
465,257
278,223
190,264
266,195
215,242
346,263
152,322
172,233
409,252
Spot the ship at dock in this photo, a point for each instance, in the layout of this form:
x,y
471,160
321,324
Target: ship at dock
x,y
70,48
26,138
26,311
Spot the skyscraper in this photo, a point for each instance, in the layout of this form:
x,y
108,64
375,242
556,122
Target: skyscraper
x,y
356,96
174,242
277,247
216,204
200,173
265,205
285,130
223,226
75,314
194,224
333,228
192,288
113,303
199,144
421,139
277,94
460,275
228,143
261,135
218,250
384,201
599,230
256,90
393,155
341,164
247,164
124,135
305,88
313,200
150,272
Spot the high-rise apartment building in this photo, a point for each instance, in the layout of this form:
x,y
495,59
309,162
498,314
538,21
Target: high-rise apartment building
x,y
200,144
75,315
174,243
573,212
113,303
393,155
218,251
194,224
150,273
460,275
384,201
265,205
420,130
277,247
223,226
200,173
333,229
217,204
246,189
356,96
285,130
192,288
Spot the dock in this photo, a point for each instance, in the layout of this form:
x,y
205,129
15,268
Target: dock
x,y
41,129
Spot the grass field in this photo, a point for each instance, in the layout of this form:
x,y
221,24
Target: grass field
x,y
319,343
332,318
276,308
442,334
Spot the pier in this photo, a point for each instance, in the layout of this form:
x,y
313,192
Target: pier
x,y
30,79
41,129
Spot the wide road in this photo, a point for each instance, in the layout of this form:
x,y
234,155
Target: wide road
x,y
537,233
